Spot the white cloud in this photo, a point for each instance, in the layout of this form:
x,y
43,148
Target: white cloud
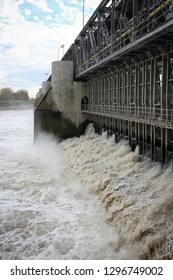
x,y
3,76
41,4
28,48
67,12
10,11
20,2
1,4
92,4
48,17
36,18
27,12
74,2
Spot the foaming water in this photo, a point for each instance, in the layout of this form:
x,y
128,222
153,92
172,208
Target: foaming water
x,y
83,198
45,213
137,196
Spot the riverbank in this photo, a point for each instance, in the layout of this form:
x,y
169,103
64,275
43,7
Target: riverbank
x,y
15,105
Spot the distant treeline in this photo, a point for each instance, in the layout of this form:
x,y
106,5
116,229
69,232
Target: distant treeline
x,y
8,95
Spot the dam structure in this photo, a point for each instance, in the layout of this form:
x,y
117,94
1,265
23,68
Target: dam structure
x,y
118,75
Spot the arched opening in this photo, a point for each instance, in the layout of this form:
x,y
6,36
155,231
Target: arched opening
x,y
84,103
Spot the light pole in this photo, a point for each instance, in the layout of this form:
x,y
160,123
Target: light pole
x,y
83,12
62,47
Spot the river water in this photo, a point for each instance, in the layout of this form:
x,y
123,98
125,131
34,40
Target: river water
x,y
83,198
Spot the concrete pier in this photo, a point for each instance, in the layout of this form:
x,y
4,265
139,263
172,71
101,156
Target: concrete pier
x,y
59,110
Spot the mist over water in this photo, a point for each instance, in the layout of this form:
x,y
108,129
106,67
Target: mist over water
x,y
83,198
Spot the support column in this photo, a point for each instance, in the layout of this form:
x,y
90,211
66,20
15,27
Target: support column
x,y
163,156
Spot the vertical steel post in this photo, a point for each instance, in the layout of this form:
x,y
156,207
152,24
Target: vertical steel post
x,y
83,10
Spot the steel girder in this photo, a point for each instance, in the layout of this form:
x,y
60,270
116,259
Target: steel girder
x,y
115,25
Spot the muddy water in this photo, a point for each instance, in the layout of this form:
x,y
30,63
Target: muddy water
x,y
137,196
44,213
84,198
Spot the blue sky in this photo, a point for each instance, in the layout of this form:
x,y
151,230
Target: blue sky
x,y
31,32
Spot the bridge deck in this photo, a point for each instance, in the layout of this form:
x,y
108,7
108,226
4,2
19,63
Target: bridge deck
x,y
120,29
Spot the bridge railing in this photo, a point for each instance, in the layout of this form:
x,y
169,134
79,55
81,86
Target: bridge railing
x,y
145,22
148,113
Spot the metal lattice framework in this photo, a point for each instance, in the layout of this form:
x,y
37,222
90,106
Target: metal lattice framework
x,y
117,29
125,53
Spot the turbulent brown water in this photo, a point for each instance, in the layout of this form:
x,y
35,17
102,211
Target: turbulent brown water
x,y
85,198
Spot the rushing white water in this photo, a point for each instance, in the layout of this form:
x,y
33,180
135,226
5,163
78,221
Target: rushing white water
x,y
83,198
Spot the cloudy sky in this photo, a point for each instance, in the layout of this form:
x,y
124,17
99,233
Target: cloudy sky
x,y
31,33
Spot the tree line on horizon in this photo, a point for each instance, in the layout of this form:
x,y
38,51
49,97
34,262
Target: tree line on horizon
x,y
8,95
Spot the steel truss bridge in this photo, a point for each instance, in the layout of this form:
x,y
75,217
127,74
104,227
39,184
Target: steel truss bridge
x,y
125,53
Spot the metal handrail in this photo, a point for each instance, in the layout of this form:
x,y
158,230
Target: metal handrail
x,y
149,113
147,23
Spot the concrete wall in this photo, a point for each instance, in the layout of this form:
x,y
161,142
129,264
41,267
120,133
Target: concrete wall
x,y
59,111
45,86
46,102
62,86
66,94
80,90
39,93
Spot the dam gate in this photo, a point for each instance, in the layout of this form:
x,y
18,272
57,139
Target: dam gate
x,y
125,53
117,74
